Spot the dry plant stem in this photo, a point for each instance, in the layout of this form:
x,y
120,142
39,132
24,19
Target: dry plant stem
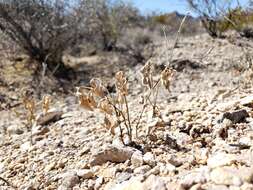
x,y
151,90
121,134
31,133
177,36
139,119
128,118
7,182
156,96
119,113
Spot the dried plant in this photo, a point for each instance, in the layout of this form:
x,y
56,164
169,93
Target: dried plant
x,y
33,108
46,100
115,107
29,104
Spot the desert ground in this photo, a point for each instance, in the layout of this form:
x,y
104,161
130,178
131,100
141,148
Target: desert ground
x,y
205,141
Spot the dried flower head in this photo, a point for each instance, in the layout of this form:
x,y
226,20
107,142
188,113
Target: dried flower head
x,y
105,106
85,100
121,84
110,124
97,88
166,77
146,72
46,100
29,105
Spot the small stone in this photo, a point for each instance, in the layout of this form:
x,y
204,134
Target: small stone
x,y
218,187
196,187
142,169
49,117
221,159
99,182
137,159
2,167
85,173
234,188
153,171
112,154
167,168
236,116
247,186
108,172
149,159
50,167
154,182
26,146
193,178
69,180
91,184
15,129
123,176
151,183
40,130
83,164
225,176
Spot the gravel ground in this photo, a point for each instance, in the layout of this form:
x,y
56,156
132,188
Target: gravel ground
x,y
206,142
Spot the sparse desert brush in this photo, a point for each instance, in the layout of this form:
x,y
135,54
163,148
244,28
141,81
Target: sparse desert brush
x,y
115,106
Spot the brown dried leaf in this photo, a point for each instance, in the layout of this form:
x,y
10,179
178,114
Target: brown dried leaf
x,y
110,124
146,71
121,83
166,77
46,103
84,100
97,88
92,100
105,106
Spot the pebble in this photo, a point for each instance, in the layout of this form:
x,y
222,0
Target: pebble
x,y
85,173
50,167
149,159
137,159
15,129
69,180
26,146
225,176
111,153
142,169
99,182
220,159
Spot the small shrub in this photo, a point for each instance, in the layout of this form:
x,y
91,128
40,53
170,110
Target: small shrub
x,y
210,13
43,29
107,21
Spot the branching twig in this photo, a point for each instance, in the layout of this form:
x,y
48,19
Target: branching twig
x,y
7,183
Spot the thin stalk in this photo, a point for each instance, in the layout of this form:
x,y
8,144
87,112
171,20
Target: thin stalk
x,y
139,119
156,96
7,183
128,117
121,134
117,110
177,38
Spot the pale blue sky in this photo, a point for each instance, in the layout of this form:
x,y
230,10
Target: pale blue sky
x,y
147,6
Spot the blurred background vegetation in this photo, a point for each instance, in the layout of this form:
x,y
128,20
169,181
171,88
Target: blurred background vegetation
x,y
46,30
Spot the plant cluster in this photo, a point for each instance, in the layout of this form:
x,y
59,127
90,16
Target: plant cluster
x,y
115,107
30,106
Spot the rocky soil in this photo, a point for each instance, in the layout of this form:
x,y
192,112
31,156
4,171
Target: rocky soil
x,y
206,142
